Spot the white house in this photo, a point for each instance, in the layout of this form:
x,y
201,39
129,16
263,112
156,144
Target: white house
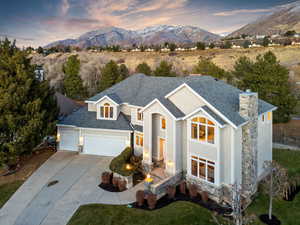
x,y
196,128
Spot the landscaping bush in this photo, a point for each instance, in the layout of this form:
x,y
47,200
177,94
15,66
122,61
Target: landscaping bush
x,y
118,164
140,197
171,191
105,178
182,187
193,190
151,200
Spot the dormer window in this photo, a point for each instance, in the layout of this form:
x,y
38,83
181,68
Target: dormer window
x,y
106,111
139,115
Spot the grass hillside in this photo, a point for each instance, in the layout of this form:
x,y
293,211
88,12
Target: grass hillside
x,y
182,61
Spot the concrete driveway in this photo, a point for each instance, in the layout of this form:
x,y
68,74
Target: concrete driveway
x,y
78,178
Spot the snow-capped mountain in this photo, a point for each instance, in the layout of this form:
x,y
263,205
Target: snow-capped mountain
x,y
281,19
148,36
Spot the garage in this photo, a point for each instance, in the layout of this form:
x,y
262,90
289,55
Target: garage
x,y
68,139
106,145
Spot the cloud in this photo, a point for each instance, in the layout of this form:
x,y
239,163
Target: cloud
x,y
64,7
241,11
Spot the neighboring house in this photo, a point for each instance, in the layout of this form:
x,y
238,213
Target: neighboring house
x,y
195,127
66,105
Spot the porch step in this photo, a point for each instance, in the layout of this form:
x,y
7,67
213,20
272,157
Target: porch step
x,y
159,173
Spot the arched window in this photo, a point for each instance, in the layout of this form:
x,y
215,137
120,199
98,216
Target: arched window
x,y
106,111
202,129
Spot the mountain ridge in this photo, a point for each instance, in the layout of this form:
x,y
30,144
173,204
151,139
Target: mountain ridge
x,y
148,36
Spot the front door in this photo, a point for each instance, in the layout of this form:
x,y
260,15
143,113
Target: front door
x,y
161,147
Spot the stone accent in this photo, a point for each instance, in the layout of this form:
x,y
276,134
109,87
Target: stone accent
x,y
147,168
160,188
249,111
215,193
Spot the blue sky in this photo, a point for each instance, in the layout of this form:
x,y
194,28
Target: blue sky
x,y
38,22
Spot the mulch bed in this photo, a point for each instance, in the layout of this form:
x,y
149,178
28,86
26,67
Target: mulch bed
x,y
109,187
265,219
164,201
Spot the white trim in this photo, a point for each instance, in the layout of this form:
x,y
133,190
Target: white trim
x,y
154,101
175,90
175,149
206,133
97,129
99,100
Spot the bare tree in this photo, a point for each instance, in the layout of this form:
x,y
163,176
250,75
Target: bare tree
x,y
277,182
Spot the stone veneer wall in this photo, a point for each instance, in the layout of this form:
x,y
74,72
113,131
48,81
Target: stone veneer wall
x,y
249,111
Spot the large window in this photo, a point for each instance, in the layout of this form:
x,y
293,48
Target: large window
x,y
203,169
106,111
139,140
203,130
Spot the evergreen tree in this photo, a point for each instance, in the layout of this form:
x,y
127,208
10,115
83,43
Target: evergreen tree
x,y
266,42
164,69
212,45
207,67
109,75
143,68
246,44
72,83
123,73
28,108
200,45
172,47
270,79
40,50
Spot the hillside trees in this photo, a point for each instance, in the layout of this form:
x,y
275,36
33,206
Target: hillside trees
x,y
200,45
270,79
72,83
207,67
111,74
28,108
164,69
143,68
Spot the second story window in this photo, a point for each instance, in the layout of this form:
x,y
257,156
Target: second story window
x,y
139,115
203,130
162,123
106,111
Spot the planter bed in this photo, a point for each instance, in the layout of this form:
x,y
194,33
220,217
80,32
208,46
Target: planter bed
x,y
164,201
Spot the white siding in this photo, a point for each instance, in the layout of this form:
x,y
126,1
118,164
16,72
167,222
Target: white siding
x,y
264,142
134,116
126,109
92,107
185,100
225,156
238,148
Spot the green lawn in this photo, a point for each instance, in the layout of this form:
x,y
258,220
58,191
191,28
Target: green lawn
x,y
187,213
287,212
7,190
178,213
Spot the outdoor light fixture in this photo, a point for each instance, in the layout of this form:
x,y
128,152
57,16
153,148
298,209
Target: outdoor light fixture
x,y
170,163
58,137
149,179
128,166
80,140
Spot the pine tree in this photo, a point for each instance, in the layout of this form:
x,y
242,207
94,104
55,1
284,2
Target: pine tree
x,y
72,83
143,68
109,75
270,79
200,45
164,69
123,73
207,67
28,108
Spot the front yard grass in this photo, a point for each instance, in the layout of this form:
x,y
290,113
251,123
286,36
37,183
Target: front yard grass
x,y
7,190
187,213
177,213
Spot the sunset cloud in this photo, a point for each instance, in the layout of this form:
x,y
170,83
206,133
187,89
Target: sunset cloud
x,y
241,11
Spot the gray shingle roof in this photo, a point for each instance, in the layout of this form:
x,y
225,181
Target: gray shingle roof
x,y
171,107
83,118
138,128
140,90
213,115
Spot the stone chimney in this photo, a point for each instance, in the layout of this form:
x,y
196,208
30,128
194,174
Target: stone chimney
x,y
249,111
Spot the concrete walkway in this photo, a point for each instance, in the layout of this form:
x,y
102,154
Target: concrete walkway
x,y
37,204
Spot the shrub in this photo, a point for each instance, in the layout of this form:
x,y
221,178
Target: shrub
x,y
140,197
118,164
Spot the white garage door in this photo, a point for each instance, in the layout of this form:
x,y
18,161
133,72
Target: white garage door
x,y
68,140
104,145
